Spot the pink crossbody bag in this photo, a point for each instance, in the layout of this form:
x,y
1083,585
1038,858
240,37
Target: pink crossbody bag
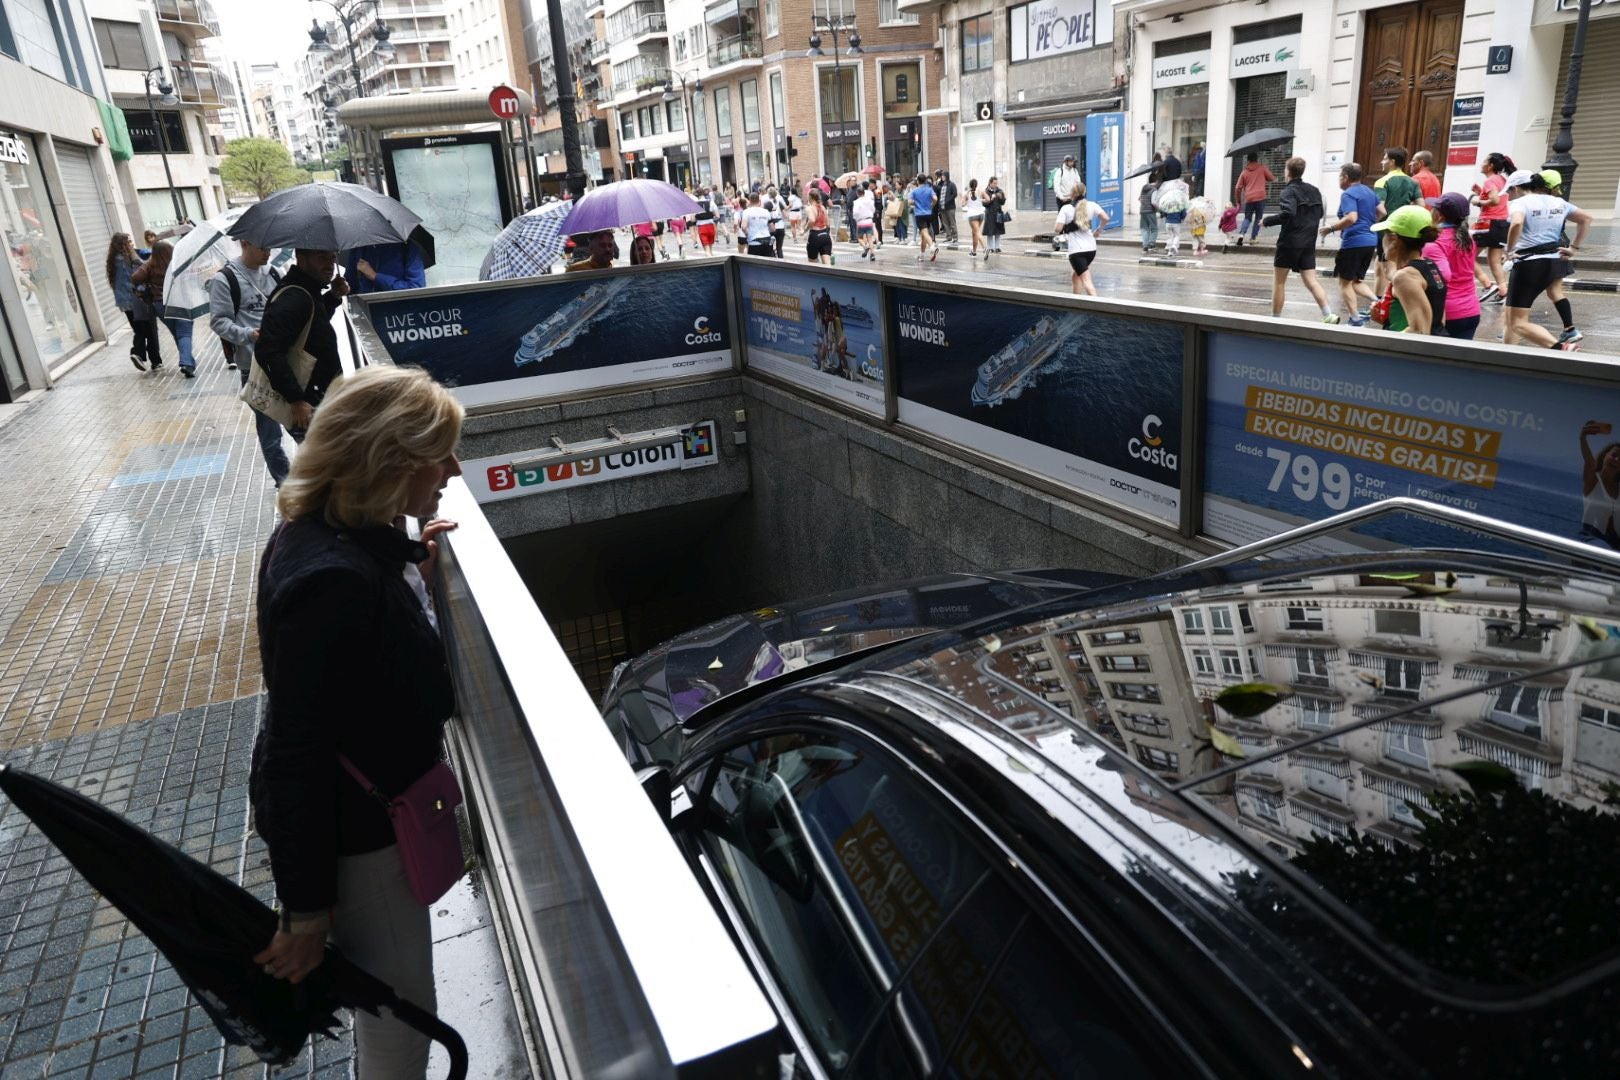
x,y
424,817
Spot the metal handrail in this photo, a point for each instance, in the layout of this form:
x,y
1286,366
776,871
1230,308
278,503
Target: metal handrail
x,y
1446,515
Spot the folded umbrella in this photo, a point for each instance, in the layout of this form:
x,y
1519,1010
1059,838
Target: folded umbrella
x,y
628,202
210,929
1141,170
1263,139
200,254
529,244
332,217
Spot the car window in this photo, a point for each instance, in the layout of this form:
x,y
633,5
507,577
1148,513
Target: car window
x,y
843,867
1046,1011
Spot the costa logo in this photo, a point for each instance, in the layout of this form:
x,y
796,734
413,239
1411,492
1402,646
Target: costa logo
x,y
701,334
1150,446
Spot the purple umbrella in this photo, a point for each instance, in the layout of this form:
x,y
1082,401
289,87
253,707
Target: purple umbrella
x,y
628,202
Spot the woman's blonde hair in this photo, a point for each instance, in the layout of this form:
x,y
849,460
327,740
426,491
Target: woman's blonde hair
x,y
372,431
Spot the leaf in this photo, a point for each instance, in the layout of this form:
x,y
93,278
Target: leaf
x,y
1226,744
1250,699
1593,629
1484,777
1419,588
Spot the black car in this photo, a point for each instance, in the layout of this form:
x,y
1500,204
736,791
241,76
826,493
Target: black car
x,y
1349,814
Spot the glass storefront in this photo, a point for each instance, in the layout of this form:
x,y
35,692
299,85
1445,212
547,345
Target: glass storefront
x,y
1031,185
1181,118
35,255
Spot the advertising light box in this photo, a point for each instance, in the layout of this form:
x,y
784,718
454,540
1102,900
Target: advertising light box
x,y
561,334
817,330
1296,433
1092,402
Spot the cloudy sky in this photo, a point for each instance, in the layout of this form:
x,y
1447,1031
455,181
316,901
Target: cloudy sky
x,y
266,31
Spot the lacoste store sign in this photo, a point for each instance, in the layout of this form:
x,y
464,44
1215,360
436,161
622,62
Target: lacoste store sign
x,y
1266,57
1183,69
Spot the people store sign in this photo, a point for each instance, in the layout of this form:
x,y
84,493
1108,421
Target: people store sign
x,y
1045,28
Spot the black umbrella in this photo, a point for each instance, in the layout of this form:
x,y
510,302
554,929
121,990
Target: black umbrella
x,y
210,929
331,217
1141,170
1264,139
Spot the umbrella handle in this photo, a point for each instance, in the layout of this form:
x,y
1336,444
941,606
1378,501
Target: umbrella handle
x,y
440,1032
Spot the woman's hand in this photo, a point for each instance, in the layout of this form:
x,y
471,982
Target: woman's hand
x,y
430,532
293,956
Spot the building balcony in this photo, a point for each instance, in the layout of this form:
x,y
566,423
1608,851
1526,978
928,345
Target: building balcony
x,y
1521,753
731,11
734,49
193,19
597,51
643,27
198,84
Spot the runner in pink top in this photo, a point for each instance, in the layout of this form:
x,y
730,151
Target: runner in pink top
x,y
1491,230
1453,254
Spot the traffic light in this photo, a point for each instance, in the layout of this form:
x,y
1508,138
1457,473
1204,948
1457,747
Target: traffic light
x,y
792,152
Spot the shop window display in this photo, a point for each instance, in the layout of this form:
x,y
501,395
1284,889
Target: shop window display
x,y
34,249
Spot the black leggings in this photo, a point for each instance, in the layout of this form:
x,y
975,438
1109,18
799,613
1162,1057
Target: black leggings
x,y
145,344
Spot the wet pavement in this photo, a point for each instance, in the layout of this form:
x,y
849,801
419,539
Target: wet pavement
x,y
135,506
1231,283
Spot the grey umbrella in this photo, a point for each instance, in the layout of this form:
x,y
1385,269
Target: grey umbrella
x,y
1141,170
1264,139
332,217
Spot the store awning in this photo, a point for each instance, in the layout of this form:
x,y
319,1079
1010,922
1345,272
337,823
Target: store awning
x,y
1046,109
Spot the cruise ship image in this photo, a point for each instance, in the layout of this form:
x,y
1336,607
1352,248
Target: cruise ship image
x,y
855,315
559,329
1005,375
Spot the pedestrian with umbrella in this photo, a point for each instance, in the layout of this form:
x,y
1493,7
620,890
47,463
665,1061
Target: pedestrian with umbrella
x,y
347,786
209,928
297,353
628,202
530,244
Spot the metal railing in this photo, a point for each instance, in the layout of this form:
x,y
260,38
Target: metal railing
x,y
189,12
623,967
652,22
732,49
196,83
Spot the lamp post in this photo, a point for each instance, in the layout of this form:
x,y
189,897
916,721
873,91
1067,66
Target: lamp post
x,y
1564,141
686,103
166,97
835,25
350,17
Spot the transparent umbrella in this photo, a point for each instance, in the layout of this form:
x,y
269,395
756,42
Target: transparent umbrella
x,y
200,254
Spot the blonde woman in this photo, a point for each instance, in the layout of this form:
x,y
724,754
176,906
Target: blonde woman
x,y
353,666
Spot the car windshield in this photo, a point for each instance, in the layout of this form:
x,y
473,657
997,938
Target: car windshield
x,y
1433,742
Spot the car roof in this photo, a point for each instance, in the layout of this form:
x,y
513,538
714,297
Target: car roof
x,y
1402,764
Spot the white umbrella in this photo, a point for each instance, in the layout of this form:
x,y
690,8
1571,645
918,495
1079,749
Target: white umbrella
x,y
198,256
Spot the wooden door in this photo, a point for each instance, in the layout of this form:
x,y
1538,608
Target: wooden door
x,y
1408,73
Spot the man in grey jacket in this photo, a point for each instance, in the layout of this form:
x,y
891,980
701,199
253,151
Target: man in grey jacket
x,y
236,299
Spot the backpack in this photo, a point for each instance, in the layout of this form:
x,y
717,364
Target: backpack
x,y
236,304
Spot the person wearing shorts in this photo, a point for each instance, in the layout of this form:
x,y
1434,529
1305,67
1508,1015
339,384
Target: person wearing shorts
x,y
818,245
1358,209
1299,213
1491,234
1074,224
1540,259
705,221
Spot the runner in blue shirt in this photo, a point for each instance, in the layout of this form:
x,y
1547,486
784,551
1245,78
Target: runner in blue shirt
x,y
1358,209
922,212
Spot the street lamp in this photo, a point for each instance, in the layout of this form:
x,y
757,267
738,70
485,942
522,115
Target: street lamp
x,y
167,96
1564,141
835,25
351,17
686,103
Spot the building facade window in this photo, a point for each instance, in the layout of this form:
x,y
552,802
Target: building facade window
x,y
38,38
1181,94
1117,637
1597,714
627,124
1402,623
1203,662
778,101
1154,758
122,45
1304,618
889,14
1407,748
676,115
1220,620
722,112
1192,621
1124,662
1144,692
1311,667
750,105
773,18
1231,663
978,47
700,118
834,9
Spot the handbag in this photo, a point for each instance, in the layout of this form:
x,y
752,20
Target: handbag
x,y
257,393
425,827
1004,217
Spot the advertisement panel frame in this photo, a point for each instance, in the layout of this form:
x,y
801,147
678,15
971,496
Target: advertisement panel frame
x,y
494,141
361,312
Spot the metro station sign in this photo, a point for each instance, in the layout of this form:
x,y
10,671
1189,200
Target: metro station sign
x,y
495,479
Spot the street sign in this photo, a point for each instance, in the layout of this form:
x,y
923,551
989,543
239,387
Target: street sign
x,y
1499,61
503,102
984,110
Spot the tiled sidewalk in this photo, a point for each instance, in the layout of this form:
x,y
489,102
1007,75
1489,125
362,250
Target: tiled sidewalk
x,y
135,506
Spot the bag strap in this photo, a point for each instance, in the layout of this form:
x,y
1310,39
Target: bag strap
x,y
236,289
360,778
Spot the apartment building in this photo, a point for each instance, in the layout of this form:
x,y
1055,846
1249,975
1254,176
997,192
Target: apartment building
x,y
486,42
735,92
